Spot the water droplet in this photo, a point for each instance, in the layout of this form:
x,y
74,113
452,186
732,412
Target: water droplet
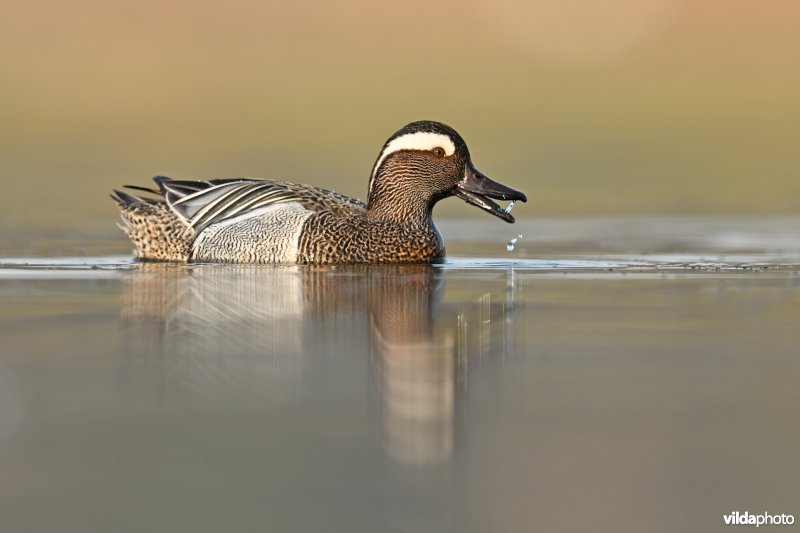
x,y
510,206
512,243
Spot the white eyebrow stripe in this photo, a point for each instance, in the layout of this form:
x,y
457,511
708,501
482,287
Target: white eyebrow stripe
x,y
421,140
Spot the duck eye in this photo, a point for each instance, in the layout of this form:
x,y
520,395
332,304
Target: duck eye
x,y
438,152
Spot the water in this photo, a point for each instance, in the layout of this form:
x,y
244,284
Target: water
x,y
607,375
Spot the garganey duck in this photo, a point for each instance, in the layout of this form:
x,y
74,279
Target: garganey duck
x,y
248,220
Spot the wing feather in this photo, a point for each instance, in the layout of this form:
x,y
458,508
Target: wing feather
x,y
202,203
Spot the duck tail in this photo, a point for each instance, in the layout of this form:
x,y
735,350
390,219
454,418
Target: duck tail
x,y
158,234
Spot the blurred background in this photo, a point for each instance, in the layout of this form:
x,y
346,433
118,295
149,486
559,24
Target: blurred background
x,y
592,108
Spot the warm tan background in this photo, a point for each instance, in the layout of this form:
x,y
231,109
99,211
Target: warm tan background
x,y
612,107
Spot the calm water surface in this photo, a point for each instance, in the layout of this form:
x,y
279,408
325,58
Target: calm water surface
x,y
607,375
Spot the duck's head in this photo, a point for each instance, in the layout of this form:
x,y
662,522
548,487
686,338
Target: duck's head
x,y
426,161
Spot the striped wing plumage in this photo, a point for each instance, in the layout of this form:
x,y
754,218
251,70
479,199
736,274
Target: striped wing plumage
x,y
202,203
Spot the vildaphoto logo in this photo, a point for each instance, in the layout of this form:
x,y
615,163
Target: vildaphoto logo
x,y
765,519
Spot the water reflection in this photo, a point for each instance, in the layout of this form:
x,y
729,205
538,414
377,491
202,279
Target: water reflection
x,y
216,335
220,337
411,367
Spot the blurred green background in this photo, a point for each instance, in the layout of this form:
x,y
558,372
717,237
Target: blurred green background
x,y
592,108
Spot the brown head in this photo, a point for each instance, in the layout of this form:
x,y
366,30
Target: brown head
x,y
424,162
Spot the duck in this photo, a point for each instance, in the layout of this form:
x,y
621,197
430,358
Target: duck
x,y
258,220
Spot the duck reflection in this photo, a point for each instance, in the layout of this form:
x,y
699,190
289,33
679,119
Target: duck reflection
x,y
412,367
260,335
